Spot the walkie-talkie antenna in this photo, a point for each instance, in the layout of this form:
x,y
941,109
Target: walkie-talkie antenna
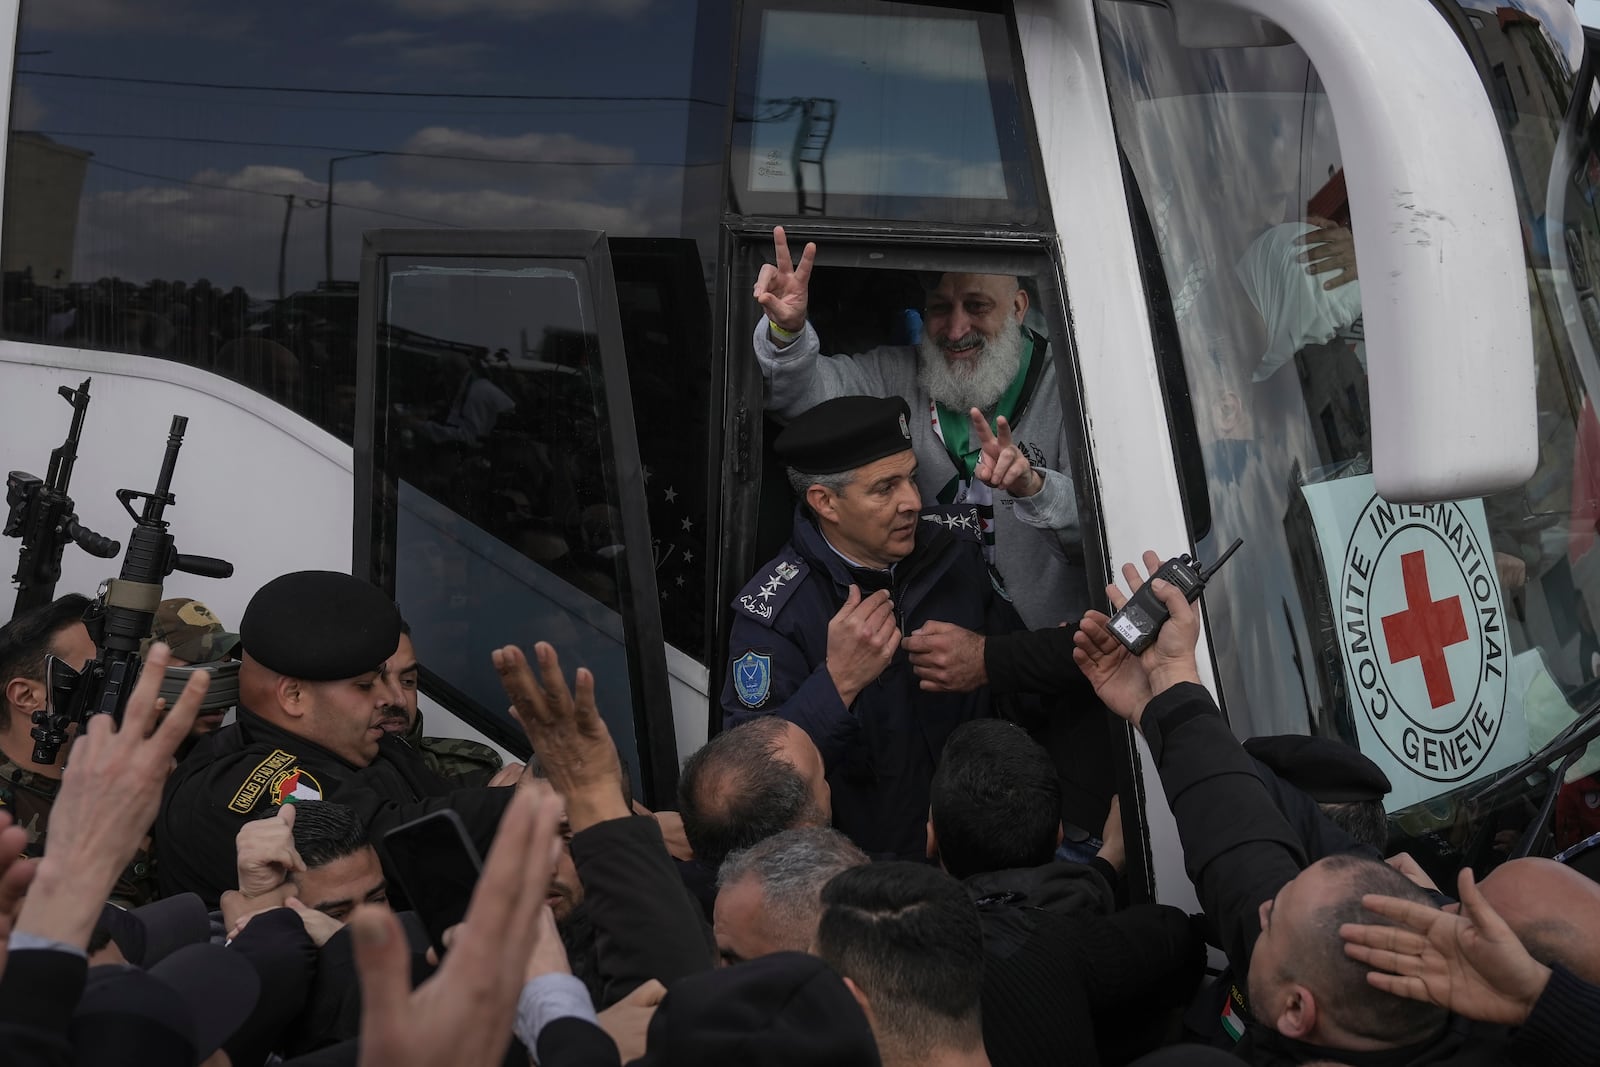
x,y
1206,573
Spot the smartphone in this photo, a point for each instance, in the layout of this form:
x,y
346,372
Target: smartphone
x,y
437,866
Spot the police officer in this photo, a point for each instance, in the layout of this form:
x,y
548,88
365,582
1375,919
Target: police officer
x,y
313,692
816,633
459,759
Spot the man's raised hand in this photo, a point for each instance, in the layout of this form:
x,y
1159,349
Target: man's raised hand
x,y
862,639
567,732
1470,963
265,854
1330,247
1002,465
783,289
463,1014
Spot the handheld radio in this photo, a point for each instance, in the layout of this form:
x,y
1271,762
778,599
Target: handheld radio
x,y
1141,618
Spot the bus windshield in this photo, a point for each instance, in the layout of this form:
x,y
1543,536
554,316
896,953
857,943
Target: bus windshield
x,y
1446,641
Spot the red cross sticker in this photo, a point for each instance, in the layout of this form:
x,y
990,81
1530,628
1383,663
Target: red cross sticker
x,y
1425,629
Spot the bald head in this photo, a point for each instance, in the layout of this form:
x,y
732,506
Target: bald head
x,y
1553,909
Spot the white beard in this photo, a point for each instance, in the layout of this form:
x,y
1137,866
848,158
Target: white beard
x,y
978,382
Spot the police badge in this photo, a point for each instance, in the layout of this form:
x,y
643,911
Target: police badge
x,y
752,678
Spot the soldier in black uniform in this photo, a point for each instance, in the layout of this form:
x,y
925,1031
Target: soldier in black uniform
x,y
313,692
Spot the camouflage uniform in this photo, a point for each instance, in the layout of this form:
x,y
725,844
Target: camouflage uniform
x,y
28,796
466,762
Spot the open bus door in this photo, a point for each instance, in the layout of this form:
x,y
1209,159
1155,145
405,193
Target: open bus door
x,y
499,489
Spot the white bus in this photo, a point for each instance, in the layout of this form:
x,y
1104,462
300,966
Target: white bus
x,y
456,295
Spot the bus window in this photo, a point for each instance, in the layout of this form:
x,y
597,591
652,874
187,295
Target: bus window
x,y
506,501
1447,641
188,182
921,120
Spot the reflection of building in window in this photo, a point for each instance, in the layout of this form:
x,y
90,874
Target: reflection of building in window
x,y
43,182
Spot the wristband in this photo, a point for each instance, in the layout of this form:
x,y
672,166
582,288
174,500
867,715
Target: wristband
x,y
786,336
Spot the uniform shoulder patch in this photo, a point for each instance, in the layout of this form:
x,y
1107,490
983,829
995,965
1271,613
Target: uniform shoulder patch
x,y
961,520
277,778
752,678
770,589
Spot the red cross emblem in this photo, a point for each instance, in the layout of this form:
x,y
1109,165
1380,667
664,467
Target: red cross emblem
x,y
1425,629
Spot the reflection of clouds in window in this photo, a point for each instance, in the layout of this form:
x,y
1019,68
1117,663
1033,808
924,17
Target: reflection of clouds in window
x,y
421,49
929,49
914,174
156,230
512,9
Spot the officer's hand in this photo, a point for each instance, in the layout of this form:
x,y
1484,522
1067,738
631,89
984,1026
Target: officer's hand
x,y
672,832
1002,465
782,290
628,1020
462,1015
1334,250
265,853
862,639
946,657
549,954
1170,659
15,874
573,743
109,797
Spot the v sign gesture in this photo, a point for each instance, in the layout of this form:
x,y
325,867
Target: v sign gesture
x,y
783,291
1002,465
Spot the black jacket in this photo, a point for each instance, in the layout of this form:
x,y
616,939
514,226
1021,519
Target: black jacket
x,y
245,770
1239,851
646,923
880,751
39,991
1060,973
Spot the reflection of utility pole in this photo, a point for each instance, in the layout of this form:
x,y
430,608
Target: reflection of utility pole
x,y
327,215
817,115
283,242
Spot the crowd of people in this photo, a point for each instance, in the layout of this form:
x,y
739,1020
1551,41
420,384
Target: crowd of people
x,y
869,864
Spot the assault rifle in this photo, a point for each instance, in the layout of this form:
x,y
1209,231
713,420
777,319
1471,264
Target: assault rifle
x,y
42,515
119,619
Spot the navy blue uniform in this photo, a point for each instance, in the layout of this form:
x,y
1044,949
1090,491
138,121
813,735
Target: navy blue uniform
x,y
879,753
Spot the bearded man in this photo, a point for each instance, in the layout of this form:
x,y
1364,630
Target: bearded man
x,y
986,421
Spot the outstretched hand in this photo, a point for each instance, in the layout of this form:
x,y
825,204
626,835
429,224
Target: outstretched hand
x,y
1126,683
1470,963
1002,465
463,1014
783,289
567,732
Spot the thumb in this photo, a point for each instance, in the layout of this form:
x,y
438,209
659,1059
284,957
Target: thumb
x,y
649,994
384,968
853,598
286,814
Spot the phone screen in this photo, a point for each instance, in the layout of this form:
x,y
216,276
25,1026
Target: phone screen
x,y
437,866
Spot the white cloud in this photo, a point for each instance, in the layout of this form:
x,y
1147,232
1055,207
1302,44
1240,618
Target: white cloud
x,y
192,17
232,238
413,49
553,146
931,49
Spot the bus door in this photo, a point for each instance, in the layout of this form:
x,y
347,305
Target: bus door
x,y
500,494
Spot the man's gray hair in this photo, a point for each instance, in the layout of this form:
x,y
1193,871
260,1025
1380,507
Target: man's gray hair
x,y
834,483
791,868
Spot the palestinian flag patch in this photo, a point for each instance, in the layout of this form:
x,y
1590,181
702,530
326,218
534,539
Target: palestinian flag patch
x,y
295,785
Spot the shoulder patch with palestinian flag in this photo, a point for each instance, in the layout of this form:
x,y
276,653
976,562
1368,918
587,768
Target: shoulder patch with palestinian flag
x,y
278,778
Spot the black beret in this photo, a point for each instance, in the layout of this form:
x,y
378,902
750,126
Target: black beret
x,y
320,626
786,1008
1327,770
845,433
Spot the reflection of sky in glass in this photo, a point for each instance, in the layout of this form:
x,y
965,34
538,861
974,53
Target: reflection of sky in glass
x,y
914,112
192,164
491,308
